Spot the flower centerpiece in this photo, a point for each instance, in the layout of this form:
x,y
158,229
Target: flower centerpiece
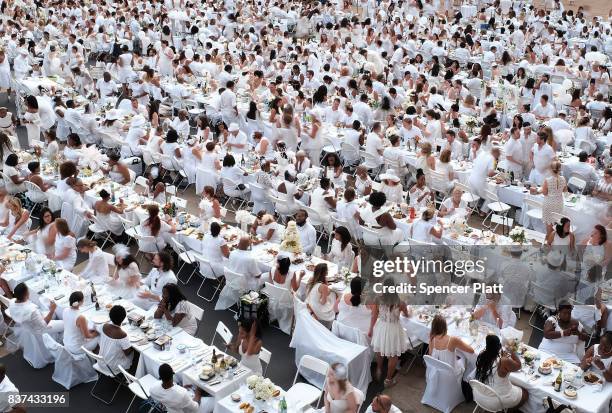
x,y
169,209
263,389
517,235
471,123
291,239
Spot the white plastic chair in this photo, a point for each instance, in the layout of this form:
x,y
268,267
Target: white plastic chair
x,y
265,355
280,306
234,287
103,368
183,255
204,264
260,199
468,197
101,230
495,206
35,195
533,208
34,350
224,332
140,387
443,388
577,183
303,394
70,369
486,398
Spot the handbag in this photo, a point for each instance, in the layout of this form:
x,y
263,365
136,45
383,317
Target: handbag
x,y
556,407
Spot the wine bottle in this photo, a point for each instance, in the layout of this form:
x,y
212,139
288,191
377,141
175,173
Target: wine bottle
x,y
213,360
558,382
94,297
283,406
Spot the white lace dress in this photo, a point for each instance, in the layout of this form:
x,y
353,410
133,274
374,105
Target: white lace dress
x,y
388,337
553,202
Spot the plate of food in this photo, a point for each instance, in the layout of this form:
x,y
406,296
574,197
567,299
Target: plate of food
x,y
591,378
555,363
570,393
545,367
99,318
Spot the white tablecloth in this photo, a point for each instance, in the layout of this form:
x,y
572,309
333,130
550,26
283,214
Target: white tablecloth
x,y
311,338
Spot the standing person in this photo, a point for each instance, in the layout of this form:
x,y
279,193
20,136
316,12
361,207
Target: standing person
x,y
493,368
77,333
65,245
388,336
248,344
553,188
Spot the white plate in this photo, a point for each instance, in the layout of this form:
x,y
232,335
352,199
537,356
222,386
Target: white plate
x,y
136,337
193,345
99,318
166,357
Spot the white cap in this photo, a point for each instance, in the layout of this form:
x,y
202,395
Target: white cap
x,y
233,127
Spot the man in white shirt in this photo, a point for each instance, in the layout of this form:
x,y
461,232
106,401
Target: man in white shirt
x,y
228,104
181,123
542,156
374,147
348,210
176,398
410,134
453,145
160,275
514,153
559,123
334,114
544,110
106,87
236,139
354,138
363,111
583,169
308,233
484,167
242,261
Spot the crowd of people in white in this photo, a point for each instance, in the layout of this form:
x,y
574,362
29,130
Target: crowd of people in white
x,y
369,122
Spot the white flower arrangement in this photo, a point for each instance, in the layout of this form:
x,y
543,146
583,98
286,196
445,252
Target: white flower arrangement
x,y
263,389
517,235
244,216
470,121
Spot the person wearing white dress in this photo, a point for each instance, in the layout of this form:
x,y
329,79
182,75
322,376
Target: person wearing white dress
x,y
175,308
215,250
388,336
420,195
341,251
178,399
598,357
43,238
340,395
115,346
7,388
18,221
248,344
493,368
391,187
107,214
233,178
77,333
153,226
563,335
25,313
453,206
424,229
444,347
65,254
96,270
495,310
268,229
126,278
320,299
351,310
161,274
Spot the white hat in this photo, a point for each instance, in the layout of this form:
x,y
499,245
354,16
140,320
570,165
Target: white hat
x,y
189,53
112,114
233,127
554,258
389,175
137,121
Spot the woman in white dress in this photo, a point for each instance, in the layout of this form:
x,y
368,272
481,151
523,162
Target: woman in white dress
x,y
388,336
43,238
562,237
115,346
27,314
444,347
18,220
599,357
493,368
563,335
108,214
444,167
153,226
553,188
282,276
164,59
215,250
268,229
453,206
31,119
248,344
73,151
96,270
5,73
126,279
352,311
77,333
175,308
312,142
340,395
585,138
65,246
192,158
341,252
263,147
323,199
320,299
597,249
420,195
210,207
210,158
424,229
391,187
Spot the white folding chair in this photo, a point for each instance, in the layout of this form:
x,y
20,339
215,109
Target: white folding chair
x,y
35,195
495,206
142,182
140,387
468,197
198,314
186,257
224,332
6,302
265,355
69,369
533,208
486,398
101,230
230,294
203,264
578,185
303,394
102,367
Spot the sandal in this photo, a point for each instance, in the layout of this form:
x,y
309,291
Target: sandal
x,y
390,382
